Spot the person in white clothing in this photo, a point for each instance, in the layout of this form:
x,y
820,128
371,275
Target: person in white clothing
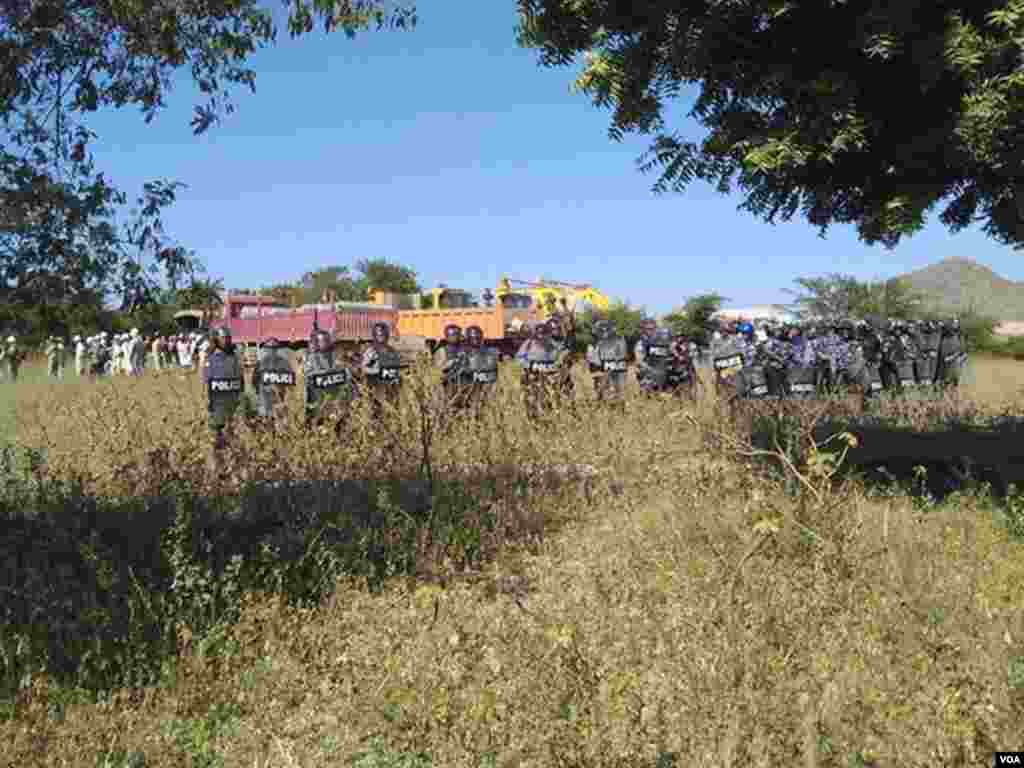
x,y
156,349
184,353
79,355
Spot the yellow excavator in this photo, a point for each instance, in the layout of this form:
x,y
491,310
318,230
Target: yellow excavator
x,y
547,295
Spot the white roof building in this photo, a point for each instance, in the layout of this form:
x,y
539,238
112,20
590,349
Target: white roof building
x,y
757,312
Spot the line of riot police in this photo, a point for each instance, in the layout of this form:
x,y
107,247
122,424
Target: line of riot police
x,y
468,367
797,361
810,360
327,379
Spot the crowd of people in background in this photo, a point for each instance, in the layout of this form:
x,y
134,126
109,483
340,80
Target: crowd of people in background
x,y
105,354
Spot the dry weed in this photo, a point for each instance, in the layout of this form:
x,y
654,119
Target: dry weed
x,y
679,607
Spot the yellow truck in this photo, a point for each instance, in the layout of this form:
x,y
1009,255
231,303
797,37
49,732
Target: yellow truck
x,y
504,325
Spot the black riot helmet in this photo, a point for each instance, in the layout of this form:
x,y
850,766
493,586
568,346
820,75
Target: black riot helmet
x,y
381,333
453,334
844,329
555,327
475,336
221,338
321,341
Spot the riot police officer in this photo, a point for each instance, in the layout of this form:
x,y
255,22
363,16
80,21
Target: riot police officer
x,y
902,355
479,373
647,330
840,354
606,358
14,356
325,380
751,383
562,334
652,354
222,376
682,371
773,352
952,354
538,357
449,358
54,351
728,358
272,379
928,338
382,368
866,361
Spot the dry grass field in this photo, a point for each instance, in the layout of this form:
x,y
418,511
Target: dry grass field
x,y
640,587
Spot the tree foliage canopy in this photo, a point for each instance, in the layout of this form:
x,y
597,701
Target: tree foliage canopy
x,y
836,296
693,319
63,60
200,294
844,111
383,275
340,283
623,316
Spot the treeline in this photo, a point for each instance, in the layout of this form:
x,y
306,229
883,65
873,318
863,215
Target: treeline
x,y
342,283
837,296
33,322
153,312
825,297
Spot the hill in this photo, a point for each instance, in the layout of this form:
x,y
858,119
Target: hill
x,y
958,284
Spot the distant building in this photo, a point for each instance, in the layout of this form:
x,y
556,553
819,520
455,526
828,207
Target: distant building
x,y
757,312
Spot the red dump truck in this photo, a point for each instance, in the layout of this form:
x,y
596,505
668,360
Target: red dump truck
x,y
254,319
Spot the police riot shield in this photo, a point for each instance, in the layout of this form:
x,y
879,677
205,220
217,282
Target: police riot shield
x,y
801,382
869,378
332,382
752,383
906,374
323,386
224,392
481,368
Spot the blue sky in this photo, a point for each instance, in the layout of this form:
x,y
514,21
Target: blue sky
x,y
449,149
